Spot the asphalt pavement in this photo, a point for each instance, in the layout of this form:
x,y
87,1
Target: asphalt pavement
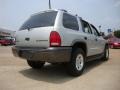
x,y
15,74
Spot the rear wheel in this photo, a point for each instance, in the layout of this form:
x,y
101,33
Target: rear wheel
x,y
35,64
77,63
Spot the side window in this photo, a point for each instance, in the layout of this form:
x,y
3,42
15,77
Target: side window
x,y
70,22
86,27
95,32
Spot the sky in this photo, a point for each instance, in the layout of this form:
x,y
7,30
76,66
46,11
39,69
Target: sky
x,y
106,13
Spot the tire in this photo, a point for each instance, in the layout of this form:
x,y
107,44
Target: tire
x,y
106,53
35,64
76,65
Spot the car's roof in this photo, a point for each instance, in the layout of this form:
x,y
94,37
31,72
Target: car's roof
x,y
49,10
59,10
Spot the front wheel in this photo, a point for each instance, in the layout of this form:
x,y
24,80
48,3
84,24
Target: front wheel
x,y
35,64
77,63
106,54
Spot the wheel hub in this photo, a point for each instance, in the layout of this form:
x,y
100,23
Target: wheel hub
x,y
79,62
107,53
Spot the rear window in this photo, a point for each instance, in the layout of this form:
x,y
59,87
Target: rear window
x,y
40,20
70,22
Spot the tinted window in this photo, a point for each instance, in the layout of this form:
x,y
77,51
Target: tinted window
x,y
70,22
86,27
40,20
95,31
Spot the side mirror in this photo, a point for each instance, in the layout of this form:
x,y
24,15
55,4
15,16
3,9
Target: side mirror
x,y
102,34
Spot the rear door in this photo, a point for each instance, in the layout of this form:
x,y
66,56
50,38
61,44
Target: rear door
x,y
36,30
37,37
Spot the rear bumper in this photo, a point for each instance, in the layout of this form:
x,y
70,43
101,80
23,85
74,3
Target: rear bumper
x,y
52,54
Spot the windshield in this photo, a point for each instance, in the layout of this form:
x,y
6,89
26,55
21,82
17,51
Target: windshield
x,y
40,20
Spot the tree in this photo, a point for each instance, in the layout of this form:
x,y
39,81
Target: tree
x,y
117,33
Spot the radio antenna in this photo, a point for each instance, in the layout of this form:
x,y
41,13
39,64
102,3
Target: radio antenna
x,y
49,4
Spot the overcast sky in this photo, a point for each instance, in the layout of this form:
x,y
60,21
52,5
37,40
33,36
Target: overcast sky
x,y
98,12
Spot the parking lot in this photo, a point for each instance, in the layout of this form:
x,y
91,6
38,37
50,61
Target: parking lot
x,y
15,74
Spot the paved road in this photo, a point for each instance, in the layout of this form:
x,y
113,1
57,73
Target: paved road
x,y
15,74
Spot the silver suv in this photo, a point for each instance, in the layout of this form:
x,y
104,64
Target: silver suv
x,y
56,36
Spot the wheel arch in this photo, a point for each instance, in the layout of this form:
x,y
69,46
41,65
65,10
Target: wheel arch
x,y
81,45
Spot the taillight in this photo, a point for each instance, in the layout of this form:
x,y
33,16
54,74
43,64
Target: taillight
x,y
55,39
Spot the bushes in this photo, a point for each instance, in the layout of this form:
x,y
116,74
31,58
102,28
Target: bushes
x,y
117,33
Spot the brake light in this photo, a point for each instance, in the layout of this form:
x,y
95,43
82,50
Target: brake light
x,y
55,39
115,43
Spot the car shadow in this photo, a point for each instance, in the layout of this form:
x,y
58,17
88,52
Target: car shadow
x,y
50,73
56,73
92,64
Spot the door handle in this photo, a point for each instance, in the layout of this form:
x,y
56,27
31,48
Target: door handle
x,y
27,39
85,38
